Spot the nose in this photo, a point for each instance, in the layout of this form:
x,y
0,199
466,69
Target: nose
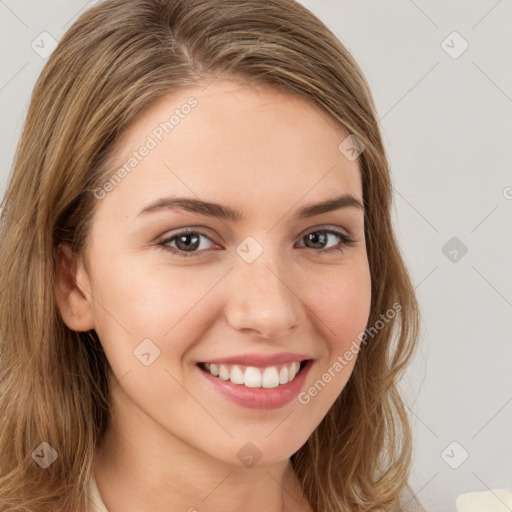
x,y
262,299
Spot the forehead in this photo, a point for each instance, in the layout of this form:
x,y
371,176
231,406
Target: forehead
x,y
255,145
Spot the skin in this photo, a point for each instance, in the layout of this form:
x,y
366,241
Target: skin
x,y
172,443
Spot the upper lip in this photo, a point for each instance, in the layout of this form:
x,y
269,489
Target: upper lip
x,y
261,360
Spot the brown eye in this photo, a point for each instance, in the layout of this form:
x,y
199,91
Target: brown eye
x,y
319,239
186,243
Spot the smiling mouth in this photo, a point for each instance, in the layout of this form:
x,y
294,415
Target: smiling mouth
x,y
255,377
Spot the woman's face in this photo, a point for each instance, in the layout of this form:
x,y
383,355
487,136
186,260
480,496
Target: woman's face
x,y
264,283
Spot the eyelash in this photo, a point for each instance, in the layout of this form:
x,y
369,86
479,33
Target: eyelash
x,y
345,242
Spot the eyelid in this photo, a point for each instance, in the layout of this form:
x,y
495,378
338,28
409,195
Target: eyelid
x,y
329,227
200,229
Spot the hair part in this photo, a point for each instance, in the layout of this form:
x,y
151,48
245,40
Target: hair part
x,y
116,60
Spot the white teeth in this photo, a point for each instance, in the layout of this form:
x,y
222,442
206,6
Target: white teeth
x,y
223,372
252,377
270,378
237,375
294,368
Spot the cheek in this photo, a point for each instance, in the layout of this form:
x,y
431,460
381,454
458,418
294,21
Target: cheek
x,y
341,309
136,302
341,305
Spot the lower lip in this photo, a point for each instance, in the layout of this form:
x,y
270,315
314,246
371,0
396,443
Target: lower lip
x,y
259,398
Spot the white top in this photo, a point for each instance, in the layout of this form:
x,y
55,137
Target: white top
x,y
95,503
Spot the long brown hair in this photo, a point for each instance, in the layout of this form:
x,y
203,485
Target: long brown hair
x,y
115,60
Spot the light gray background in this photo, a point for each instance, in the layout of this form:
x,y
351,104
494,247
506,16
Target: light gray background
x,y
447,126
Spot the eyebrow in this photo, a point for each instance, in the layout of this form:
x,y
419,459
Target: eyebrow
x,y
232,214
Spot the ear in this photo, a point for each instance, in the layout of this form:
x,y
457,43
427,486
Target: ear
x,y
74,306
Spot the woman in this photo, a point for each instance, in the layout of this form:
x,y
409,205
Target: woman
x,y
215,312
